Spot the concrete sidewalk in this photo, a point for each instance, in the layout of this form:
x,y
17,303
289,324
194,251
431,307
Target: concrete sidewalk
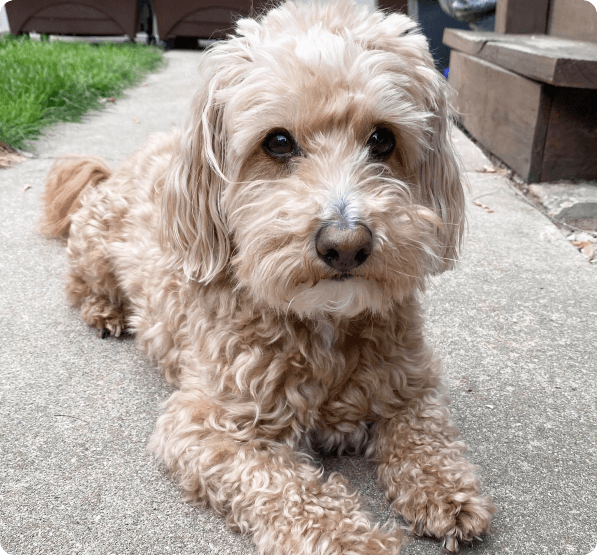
x,y
515,325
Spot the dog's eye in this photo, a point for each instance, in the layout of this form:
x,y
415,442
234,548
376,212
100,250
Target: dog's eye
x,y
381,143
279,144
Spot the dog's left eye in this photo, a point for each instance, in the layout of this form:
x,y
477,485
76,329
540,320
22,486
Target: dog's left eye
x,y
381,143
279,144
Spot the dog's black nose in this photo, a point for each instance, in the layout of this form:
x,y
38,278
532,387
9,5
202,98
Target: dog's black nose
x,y
344,249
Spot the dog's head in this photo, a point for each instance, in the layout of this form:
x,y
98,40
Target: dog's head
x,y
316,169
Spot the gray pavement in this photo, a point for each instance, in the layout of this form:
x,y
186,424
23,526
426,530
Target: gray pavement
x,y
515,325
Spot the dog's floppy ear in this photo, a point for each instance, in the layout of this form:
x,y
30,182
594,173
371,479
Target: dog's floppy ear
x,y
440,177
438,173
193,229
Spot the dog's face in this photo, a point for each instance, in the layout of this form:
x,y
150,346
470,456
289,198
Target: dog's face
x,y
317,171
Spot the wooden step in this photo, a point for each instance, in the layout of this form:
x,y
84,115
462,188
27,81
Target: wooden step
x,y
553,60
544,133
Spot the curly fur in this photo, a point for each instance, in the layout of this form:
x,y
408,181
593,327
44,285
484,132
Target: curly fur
x,y
203,246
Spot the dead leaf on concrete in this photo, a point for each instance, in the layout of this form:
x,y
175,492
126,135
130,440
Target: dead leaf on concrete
x,y
144,84
586,247
136,120
110,99
26,186
489,169
9,156
484,206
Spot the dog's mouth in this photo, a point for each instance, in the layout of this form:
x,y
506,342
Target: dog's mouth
x,y
341,277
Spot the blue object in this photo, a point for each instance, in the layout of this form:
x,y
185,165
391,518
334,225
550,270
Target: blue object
x,y
433,20
446,72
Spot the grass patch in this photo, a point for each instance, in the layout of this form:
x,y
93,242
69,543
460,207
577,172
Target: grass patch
x,y
45,82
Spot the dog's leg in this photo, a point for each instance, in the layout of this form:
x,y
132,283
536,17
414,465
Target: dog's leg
x,y
263,487
91,283
425,476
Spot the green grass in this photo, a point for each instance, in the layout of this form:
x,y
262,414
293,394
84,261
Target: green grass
x,y
44,82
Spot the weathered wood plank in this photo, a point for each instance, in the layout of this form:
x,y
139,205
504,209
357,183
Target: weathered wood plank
x,y
553,60
574,19
469,42
571,141
521,16
505,112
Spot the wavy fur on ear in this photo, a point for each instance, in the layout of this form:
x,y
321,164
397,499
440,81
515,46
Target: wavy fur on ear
x,y
441,182
193,228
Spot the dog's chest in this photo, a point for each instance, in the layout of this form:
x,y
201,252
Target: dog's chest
x,y
341,420
354,395
325,334
342,377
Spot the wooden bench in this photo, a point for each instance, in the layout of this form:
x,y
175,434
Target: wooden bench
x,y
531,99
199,18
73,17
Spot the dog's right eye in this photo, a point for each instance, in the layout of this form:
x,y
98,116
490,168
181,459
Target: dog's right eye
x,y
279,144
381,143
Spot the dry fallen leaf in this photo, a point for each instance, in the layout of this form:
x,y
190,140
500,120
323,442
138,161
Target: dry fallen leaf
x,y
144,84
136,120
489,169
110,99
586,247
484,206
26,186
9,156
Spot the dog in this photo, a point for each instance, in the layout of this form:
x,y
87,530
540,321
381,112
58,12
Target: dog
x,y
270,257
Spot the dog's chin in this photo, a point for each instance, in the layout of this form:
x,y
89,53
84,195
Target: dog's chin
x,y
342,296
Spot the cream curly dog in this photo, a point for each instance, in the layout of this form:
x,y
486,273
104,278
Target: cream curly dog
x,y
270,257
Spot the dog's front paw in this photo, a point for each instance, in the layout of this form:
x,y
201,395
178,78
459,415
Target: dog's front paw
x,y
102,314
454,517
